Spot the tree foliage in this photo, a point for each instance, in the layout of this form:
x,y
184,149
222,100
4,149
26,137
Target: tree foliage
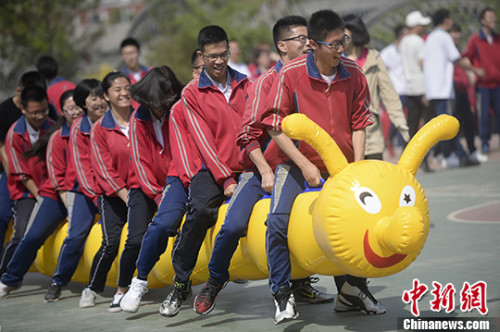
x,y
172,39
30,28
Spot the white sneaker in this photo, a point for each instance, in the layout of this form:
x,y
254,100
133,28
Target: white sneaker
x,y
115,304
342,305
451,162
132,299
5,290
362,298
88,298
285,305
478,156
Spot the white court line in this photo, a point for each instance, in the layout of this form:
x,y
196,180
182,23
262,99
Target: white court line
x,y
453,216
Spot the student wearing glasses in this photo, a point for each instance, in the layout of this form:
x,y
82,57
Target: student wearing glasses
x,y
332,91
258,160
46,156
25,174
219,93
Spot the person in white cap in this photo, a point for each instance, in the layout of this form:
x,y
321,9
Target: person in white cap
x,y
411,49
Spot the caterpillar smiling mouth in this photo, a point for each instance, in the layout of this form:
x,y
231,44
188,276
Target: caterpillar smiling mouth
x,y
376,260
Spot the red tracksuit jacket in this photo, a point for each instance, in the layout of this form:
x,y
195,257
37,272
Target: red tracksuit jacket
x,y
80,176
110,156
486,56
16,143
214,123
57,157
186,159
150,159
252,134
339,108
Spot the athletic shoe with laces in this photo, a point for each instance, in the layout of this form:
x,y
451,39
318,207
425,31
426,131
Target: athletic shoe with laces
x,y
132,299
172,304
87,299
115,304
342,305
5,290
362,298
53,293
285,305
205,300
304,292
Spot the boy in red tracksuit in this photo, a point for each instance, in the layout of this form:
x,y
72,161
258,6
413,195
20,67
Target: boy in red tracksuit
x,y
214,106
50,208
482,50
290,38
155,167
25,175
333,92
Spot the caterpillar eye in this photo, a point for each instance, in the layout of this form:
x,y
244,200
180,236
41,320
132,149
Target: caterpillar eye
x,y
407,197
368,200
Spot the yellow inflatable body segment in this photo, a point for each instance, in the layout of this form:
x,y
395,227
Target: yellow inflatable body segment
x,y
370,219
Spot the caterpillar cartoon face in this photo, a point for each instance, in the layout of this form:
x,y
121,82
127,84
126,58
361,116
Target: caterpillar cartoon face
x,y
371,218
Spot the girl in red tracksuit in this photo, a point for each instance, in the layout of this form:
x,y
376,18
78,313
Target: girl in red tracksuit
x,y
79,184
155,169
122,200
50,209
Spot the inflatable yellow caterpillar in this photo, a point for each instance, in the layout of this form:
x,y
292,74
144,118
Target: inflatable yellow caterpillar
x,y
370,218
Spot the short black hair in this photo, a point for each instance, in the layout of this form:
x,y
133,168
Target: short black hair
x,y
456,28
159,89
359,33
32,78
284,25
87,87
211,34
47,66
398,30
322,23
194,57
66,95
129,41
107,81
484,11
33,93
440,15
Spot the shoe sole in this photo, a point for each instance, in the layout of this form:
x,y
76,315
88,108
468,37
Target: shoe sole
x,y
114,310
50,301
286,319
130,311
360,304
169,314
86,306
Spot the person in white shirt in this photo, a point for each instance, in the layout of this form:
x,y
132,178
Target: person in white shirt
x,y
392,60
411,49
439,56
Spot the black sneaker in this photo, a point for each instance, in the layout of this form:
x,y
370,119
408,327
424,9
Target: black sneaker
x,y
466,162
304,292
172,304
53,293
285,305
205,301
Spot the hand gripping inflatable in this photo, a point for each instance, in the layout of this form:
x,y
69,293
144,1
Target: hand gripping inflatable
x,y
369,219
